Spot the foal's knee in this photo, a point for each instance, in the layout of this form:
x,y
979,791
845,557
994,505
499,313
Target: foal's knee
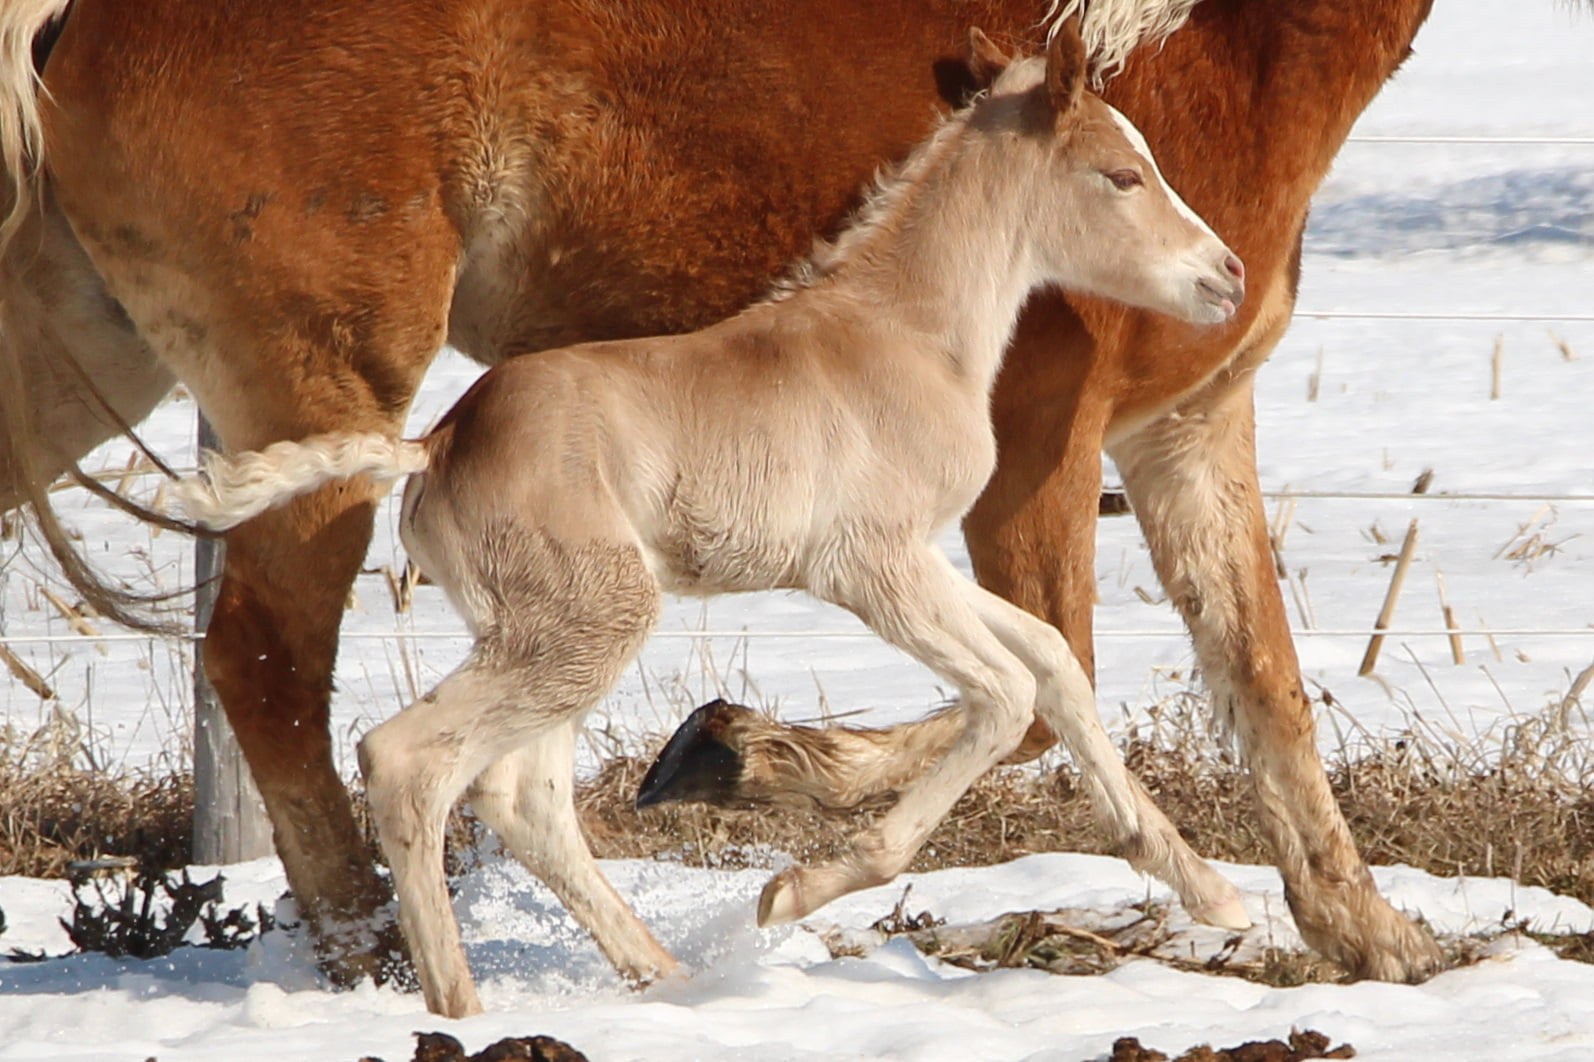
x,y
396,779
1058,672
1009,705
1061,666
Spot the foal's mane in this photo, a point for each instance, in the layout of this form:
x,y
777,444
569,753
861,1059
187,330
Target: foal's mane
x,y
890,187
1111,29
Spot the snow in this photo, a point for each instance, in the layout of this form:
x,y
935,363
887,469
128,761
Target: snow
x,y
1441,228
777,994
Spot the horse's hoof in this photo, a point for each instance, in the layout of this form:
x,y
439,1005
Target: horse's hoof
x,y
696,765
1411,958
373,950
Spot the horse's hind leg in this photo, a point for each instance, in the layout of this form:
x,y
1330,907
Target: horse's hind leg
x,y
269,651
1192,481
60,329
1065,699
287,251
910,596
528,799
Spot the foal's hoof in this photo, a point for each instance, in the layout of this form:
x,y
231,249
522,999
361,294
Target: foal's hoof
x,y
1225,914
782,899
800,891
696,765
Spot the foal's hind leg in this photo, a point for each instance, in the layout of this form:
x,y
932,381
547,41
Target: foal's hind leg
x,y
910,596
565,621
415,766
528,799
1065,699
1192,480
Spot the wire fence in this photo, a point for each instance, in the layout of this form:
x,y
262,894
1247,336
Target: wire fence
x,y
124,476
821,633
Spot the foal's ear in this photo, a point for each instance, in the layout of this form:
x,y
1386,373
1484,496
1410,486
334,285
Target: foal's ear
x,y
960,80
1065,66
986,60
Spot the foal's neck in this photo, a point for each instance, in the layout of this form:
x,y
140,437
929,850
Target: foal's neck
x,y
949,260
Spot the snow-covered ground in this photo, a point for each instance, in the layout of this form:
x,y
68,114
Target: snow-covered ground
x,y
1354,406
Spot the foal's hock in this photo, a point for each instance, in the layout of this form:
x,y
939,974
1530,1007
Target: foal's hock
x,y
817,440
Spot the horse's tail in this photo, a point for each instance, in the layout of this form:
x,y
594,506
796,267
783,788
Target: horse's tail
x,y
231,488
27,32
21,133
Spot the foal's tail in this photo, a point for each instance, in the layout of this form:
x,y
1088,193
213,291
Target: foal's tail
x,y
231,488
21,133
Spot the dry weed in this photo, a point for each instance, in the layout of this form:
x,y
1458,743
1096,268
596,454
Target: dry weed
x,y
1521,804
55,811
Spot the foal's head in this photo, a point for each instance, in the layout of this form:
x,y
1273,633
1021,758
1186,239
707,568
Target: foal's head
x,y
1102,219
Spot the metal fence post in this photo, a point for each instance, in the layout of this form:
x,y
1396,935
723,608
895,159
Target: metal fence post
x,y
230,823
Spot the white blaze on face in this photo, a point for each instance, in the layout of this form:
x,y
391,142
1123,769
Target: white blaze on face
x,y
1139,143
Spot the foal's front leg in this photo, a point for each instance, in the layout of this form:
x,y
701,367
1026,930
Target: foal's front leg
x,y
909,595
1066,701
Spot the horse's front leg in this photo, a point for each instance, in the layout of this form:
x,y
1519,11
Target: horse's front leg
x,y
1191,477
269,652
1031,536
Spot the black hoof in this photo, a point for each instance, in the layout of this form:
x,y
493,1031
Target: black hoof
x,y
695,765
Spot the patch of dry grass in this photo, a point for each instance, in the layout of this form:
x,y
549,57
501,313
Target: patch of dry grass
x,y
1521,805
55,810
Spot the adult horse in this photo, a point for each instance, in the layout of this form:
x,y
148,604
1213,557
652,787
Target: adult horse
x,y
291,206
818,440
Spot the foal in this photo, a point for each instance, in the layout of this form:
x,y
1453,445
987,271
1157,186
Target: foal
x,y
818,440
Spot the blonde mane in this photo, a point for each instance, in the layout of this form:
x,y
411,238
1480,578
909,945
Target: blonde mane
x,y
21,135
1114,28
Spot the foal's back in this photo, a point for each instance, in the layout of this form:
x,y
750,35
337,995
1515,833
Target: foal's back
x,y
724,455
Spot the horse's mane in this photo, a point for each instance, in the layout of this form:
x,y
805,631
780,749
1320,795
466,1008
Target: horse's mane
x,y
890,186
1114,28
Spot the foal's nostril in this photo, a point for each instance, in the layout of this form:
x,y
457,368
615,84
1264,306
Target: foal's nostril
x,y
1235,267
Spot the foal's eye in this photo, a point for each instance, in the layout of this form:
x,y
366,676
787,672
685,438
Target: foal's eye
x,y
1125,179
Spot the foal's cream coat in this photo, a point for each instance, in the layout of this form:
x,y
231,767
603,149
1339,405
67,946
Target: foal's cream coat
x,y
818,440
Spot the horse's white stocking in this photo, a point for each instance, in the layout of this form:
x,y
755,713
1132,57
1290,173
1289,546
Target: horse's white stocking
x,y
909,595
1066,700
1192,481
527,798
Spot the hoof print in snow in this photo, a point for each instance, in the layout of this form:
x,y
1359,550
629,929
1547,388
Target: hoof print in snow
x,y
1302,1045
441,1047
